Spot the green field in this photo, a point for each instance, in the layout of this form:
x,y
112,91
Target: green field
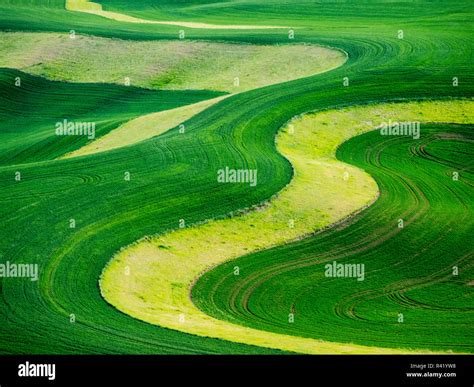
x,y
152,279
164,64
396,52
408,270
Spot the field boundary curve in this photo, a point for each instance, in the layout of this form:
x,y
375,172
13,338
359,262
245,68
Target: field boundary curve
x,y
152,280
96,9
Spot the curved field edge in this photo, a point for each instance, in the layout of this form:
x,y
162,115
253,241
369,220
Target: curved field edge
x,y
96,9
421,66
29,130
151,280
148,126
144,128
164,64
416,289
57,57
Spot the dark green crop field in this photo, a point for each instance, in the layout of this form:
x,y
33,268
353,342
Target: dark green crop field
x,y
172,177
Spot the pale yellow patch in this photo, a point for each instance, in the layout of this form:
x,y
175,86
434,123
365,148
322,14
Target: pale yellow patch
x,y
276,70
151,280
96,9
164,64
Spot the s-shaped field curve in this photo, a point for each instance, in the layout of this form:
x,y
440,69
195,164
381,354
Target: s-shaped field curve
x,y
411,253
152,279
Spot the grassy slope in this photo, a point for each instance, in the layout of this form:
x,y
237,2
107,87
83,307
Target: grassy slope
x,y
408,270
162,64
170,178
97,9
144,128
173,64
30,112
279,12
152,280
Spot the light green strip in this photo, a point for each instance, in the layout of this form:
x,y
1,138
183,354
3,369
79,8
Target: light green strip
x,y
164,64
143,128
96,9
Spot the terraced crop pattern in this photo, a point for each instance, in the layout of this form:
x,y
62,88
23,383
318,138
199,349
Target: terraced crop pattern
x,y
236,177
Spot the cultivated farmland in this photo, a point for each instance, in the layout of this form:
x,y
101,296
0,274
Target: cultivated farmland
x,y
117,119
